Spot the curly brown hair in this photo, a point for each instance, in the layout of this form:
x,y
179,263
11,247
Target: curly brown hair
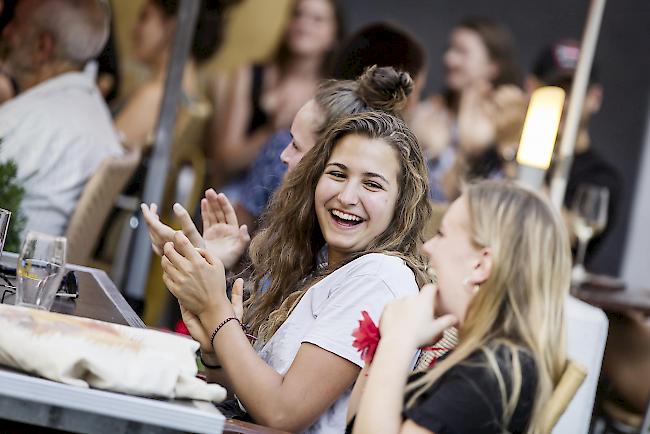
x,y
284,251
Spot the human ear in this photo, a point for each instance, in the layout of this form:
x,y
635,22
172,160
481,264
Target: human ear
x,y
482,267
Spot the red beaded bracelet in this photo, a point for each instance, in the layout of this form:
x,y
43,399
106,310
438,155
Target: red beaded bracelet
x,y
223,323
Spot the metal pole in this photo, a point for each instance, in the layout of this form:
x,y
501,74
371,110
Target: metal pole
x,y
159,163
578,92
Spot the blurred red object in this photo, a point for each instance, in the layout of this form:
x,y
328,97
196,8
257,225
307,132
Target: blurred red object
x,y
366,337
181,328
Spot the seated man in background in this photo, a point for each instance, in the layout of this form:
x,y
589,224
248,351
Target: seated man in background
x,y
555,66
58,128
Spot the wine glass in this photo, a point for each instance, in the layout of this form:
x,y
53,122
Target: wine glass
x,y
589,209
41,266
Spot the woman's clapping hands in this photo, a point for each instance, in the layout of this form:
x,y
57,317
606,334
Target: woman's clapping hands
x,y
222,235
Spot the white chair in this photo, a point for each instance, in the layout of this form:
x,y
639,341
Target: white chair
x,y
587,335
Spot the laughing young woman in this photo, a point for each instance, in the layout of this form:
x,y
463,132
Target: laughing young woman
x,y
362,193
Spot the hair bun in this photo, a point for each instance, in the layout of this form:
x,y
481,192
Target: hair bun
x,y
385,88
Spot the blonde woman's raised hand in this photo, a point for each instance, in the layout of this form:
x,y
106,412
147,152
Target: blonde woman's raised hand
x,y
411,319
223,236
195,278
160,233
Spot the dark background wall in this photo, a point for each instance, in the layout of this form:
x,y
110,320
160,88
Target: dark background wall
x,y
623,56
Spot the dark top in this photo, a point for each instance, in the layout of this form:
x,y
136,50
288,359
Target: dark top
x,y
258,115
590,168
265,175
466,399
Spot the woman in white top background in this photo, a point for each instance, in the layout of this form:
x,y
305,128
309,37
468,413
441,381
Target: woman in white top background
x,y
362,192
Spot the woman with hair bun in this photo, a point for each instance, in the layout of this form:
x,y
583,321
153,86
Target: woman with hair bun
x,y
361,194
378,89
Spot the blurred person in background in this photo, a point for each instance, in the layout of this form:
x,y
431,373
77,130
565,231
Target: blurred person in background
x,y
380,44
58,128
7,85
152,40
108,70
555,66
254,101
383,44
460,128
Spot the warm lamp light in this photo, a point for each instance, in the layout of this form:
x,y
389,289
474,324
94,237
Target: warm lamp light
x,y
540,127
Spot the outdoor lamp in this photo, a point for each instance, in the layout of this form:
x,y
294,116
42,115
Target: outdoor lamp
x,y
539,134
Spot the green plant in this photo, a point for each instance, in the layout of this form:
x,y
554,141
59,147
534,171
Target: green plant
x,y
11,196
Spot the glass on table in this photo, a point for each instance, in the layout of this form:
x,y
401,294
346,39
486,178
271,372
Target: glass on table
x,y
589,218
5,284
5,217
41,266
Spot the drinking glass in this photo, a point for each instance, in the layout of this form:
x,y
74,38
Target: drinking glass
x,y
589,208
5,217
41,266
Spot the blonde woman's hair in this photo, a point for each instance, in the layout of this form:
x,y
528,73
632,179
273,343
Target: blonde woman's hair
x,y
284,252
521,305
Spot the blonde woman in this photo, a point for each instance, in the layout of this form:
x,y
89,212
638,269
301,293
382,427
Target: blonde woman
x,y
502,262
360,193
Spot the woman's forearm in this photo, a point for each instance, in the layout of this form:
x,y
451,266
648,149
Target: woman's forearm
x,y
380,410
216,375
256,384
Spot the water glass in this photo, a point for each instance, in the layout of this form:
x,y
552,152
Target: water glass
x,y
5,217
41,266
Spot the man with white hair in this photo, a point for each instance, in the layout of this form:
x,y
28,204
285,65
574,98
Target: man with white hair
x,y
57,129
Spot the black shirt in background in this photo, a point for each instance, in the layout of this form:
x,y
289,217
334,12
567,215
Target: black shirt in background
x,y
466,399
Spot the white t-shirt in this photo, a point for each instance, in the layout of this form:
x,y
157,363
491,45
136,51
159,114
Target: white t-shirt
x,y
329,312
57,132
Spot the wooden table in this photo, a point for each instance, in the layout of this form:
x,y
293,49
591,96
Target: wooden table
x,y
615,300
26,399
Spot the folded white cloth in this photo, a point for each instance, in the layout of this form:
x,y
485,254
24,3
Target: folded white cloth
x,y
89,353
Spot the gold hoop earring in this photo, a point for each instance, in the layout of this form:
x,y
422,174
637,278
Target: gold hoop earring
x,y
477,288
